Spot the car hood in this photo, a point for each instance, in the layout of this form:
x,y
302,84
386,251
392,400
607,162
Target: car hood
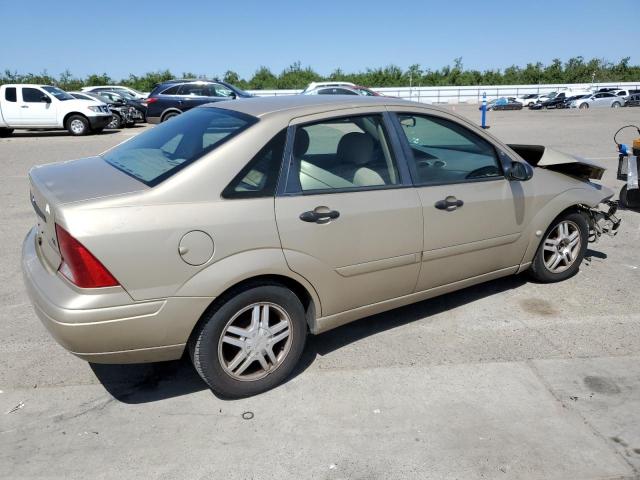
x,y
551,159
80,180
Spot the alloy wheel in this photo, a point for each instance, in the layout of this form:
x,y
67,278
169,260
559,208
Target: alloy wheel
x,y
255,342
77,126
562,247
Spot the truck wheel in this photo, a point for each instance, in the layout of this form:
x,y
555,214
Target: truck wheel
x,y
562,248
116,121
5,132
77,125
251,342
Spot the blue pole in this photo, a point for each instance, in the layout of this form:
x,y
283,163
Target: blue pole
x,y
484,110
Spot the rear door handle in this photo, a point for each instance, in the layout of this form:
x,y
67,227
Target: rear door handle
x,y
319,216
24,106
449,203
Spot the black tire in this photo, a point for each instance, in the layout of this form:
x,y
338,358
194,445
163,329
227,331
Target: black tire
x,y
584,106
205,347
630,199
77,125
539,270
616,105
168,116
116,122
5,132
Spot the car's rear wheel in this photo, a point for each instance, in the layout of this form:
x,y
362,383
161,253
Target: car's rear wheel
x,y
251,342
5,132
584,105
169,115
77,125
562,248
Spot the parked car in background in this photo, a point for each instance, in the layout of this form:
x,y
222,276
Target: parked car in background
x,y
138,108
231,231
561,100
503,103
121,113
171,98
45,107
332,91
633,100
116,88
340,88
316,85
528,99
598,100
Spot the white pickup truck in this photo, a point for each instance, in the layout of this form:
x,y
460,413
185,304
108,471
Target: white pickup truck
x,y
46,107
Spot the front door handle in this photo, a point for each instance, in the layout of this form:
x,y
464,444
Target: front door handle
x,y
449,203
24,106
319,215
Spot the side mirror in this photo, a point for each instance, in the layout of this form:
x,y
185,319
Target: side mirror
x,y
45,99
233,95
408,121
519,172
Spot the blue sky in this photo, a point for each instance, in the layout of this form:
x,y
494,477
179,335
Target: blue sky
x,y
208,37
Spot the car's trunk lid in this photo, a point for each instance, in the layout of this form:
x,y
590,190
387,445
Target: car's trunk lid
x,y
54,185
544,157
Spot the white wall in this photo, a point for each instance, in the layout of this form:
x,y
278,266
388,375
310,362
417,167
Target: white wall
x,y
468,94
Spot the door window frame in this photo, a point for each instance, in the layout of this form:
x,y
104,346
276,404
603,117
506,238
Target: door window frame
x,y
502,158
395,148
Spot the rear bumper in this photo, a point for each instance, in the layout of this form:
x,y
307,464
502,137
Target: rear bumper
x,y
106,325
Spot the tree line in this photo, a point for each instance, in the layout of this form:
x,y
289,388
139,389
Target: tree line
x,y
574,70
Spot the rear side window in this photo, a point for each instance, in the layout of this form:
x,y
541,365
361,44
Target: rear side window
x,y
260,176
157,154
171,90
10,94
32,95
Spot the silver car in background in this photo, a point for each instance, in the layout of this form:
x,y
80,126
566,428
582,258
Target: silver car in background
x,y
598,100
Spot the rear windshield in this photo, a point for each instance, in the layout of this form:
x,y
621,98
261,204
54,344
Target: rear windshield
x,y
156,154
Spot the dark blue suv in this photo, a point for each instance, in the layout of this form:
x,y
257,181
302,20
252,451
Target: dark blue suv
x,y
173,97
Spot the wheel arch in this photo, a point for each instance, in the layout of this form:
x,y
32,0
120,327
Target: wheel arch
x,y
169,110
71,114
574,200
301,291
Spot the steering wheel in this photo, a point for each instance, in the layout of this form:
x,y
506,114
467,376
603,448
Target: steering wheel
x,y
486,171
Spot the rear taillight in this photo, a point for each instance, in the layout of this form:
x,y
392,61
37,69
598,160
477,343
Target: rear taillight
x,y
147,101
79,265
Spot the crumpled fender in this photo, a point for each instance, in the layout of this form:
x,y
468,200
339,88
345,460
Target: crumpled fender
x,y
590,196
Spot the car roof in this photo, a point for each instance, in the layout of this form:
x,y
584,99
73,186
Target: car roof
x,y
301,105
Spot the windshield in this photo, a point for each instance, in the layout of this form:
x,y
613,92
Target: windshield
x,y
157,154
59,94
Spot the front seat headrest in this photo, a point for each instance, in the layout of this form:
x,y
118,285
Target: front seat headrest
x,y
356,148
301,143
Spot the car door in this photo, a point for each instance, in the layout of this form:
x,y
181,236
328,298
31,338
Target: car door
x,y
36,110
194,94
11,106
349,220
473,216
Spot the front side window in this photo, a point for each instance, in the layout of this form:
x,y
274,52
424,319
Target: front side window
x,y
58,93
157,154
342,153
32,95
446,152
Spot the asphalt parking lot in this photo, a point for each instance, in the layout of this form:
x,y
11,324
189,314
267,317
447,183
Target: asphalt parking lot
x,y
510,379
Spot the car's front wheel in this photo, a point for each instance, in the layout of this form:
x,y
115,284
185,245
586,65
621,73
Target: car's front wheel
x,y
116,121
77,125
562,248
251,342
584,105
615,105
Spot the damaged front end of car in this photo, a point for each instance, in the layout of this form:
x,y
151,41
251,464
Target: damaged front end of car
x,y
602,222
